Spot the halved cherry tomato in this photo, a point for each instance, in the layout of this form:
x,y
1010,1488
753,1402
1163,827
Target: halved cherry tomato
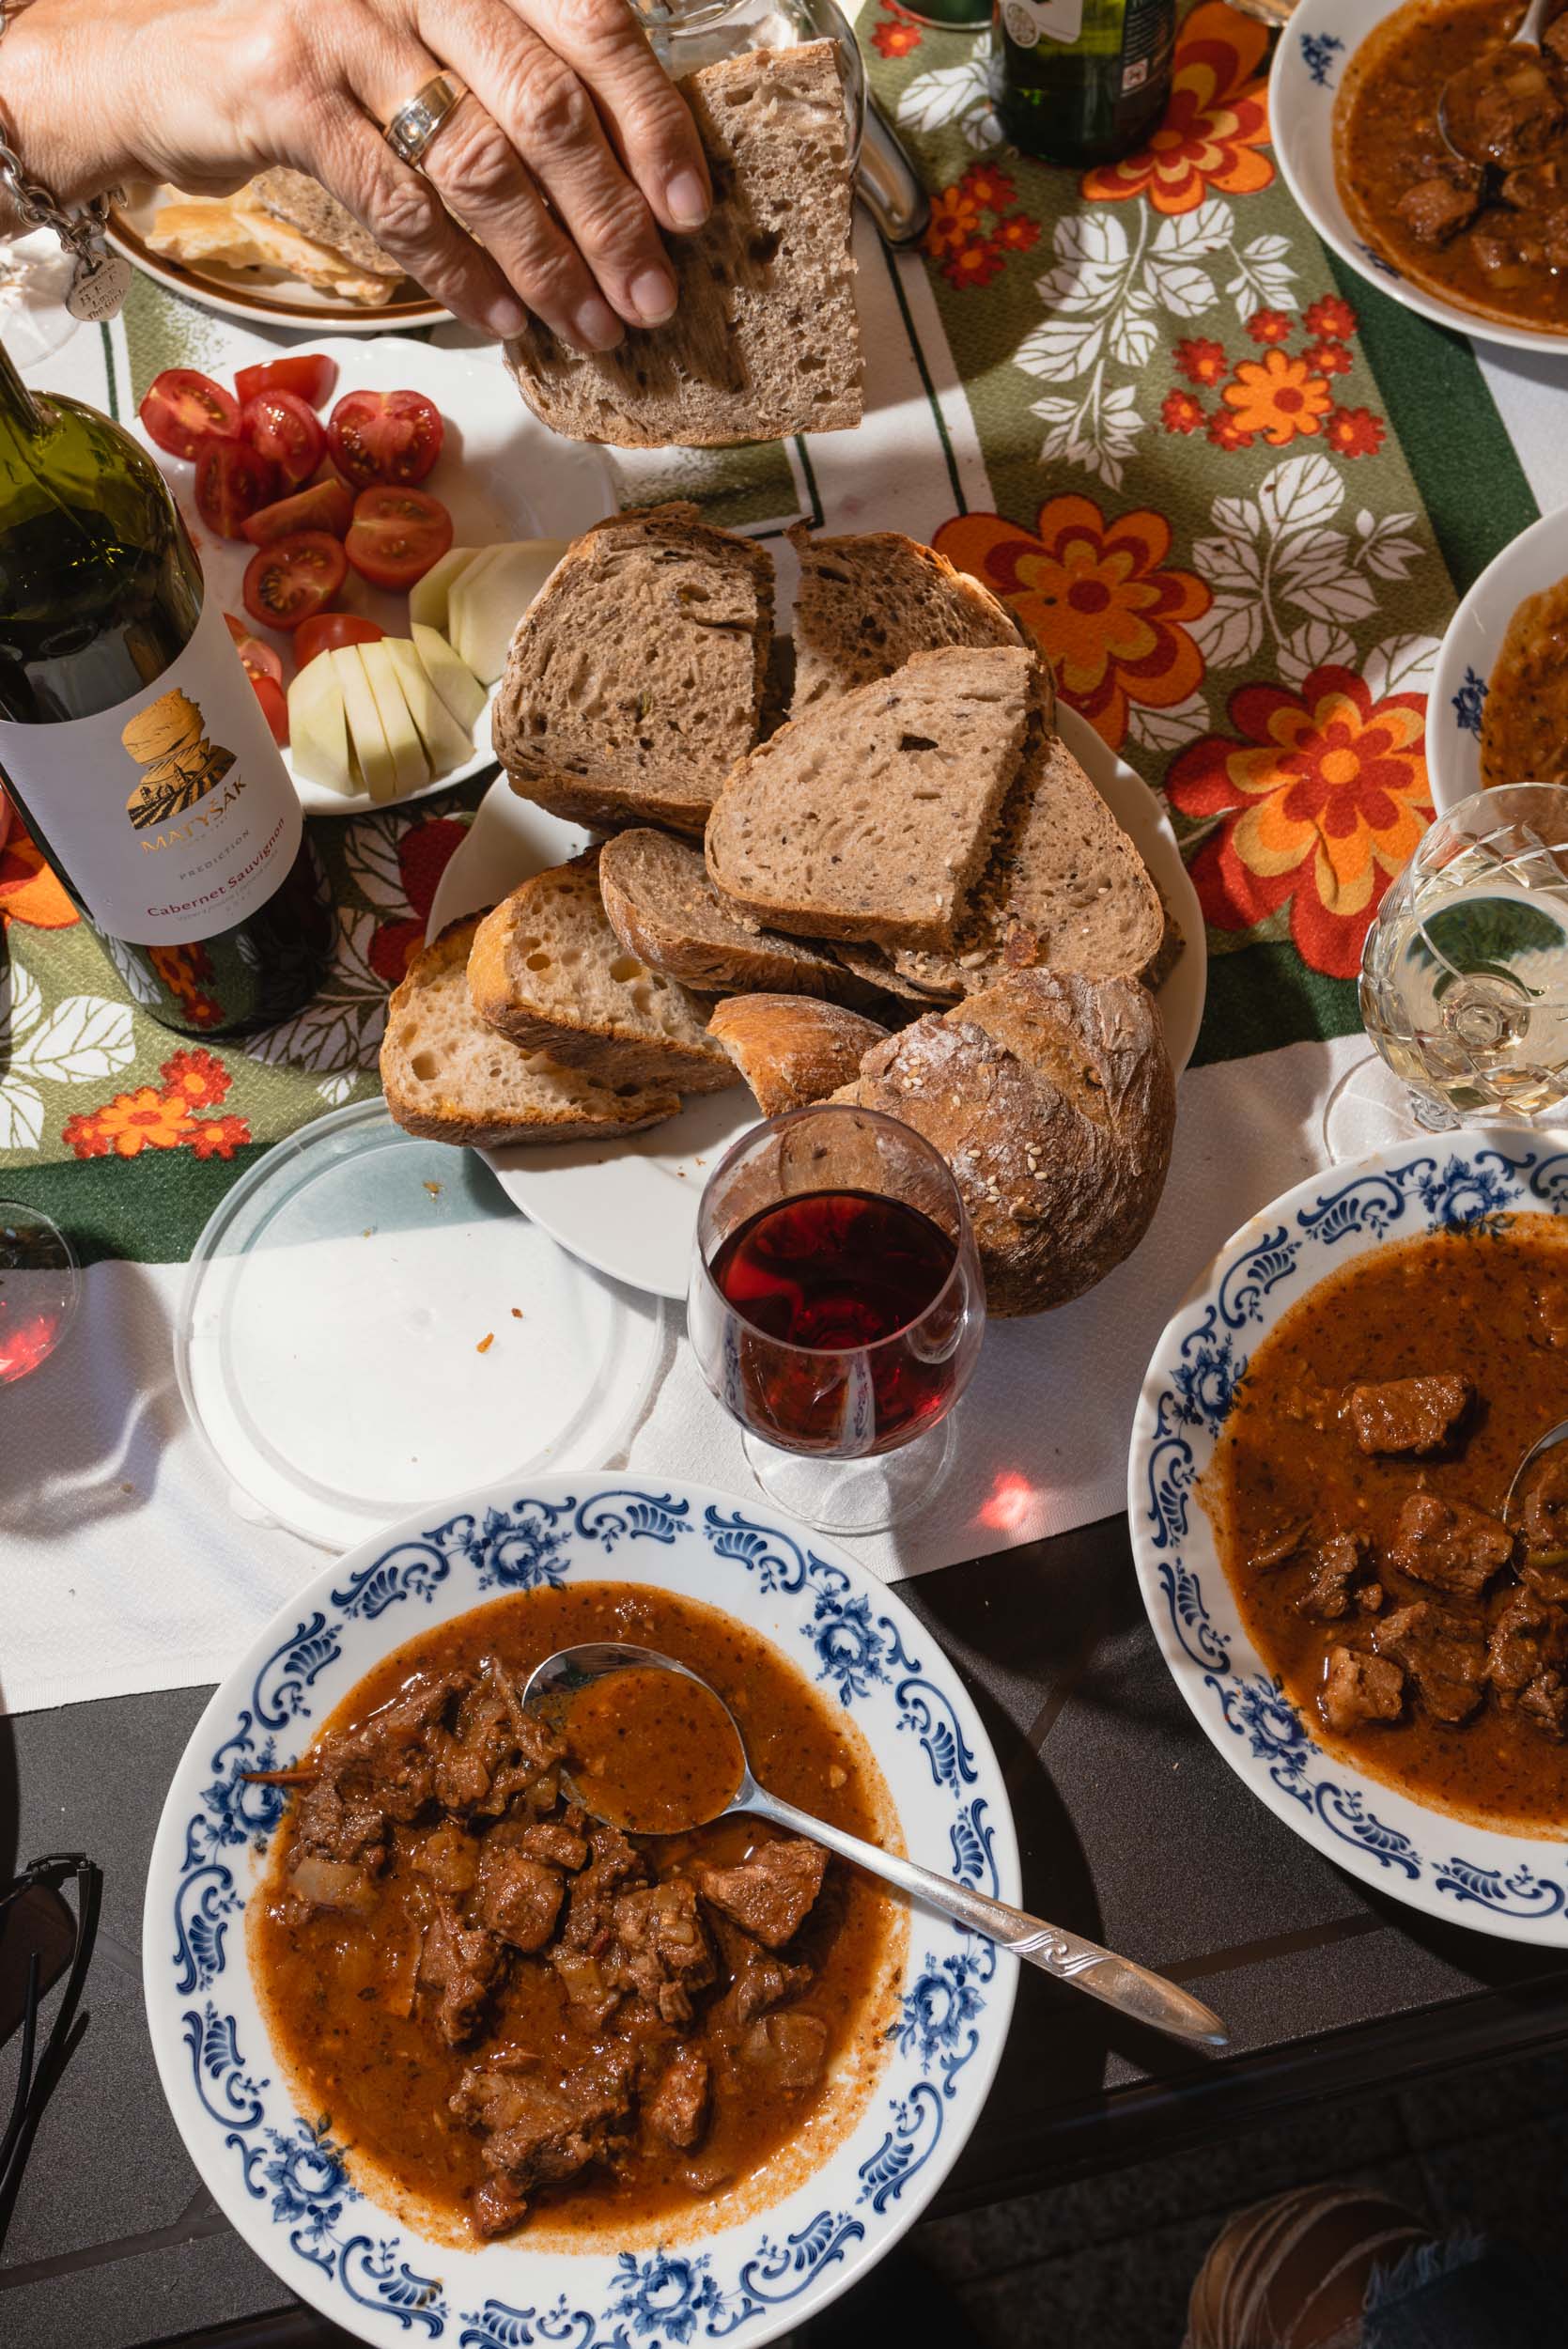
x,y
397,535
259,659
280,427
308,374
232,482
325,506
294,578
384,436
274,706
183,408
328,631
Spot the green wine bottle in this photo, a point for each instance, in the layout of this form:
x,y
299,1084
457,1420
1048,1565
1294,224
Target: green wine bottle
x,y
130,737
1084,81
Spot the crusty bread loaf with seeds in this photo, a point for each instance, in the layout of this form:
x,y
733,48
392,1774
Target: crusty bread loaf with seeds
x,y
871,817
765,339
450,1077
1063,889
664,909
635,680
1053,1101
548,971
792,1048
866,604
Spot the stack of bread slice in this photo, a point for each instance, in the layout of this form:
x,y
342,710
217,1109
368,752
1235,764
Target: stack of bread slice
x,y
914,837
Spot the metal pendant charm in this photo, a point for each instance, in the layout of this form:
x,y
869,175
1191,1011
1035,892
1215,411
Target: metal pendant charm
x,y
97,287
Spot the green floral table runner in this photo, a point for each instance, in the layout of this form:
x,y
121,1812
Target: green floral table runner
x,y
1233,494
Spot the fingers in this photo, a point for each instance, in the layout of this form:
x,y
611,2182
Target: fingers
x,y
351,158
545,111
648,121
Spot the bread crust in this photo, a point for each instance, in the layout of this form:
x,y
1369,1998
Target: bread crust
x,y
970,616
498,988
1053,1101
793,1050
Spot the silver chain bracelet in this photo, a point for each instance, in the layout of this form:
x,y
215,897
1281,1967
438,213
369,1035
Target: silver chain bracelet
x,y
99,280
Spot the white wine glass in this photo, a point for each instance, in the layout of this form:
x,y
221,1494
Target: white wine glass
x,y
1463,983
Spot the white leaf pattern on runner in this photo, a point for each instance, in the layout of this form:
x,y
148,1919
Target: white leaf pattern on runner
x,y
20,1006
1263,279
85,1037
1168,729
21,1116
1315,645
341,1030
132,977
963,94
1299,491
1400,664
370,853
1387,550
21,1106
1279,555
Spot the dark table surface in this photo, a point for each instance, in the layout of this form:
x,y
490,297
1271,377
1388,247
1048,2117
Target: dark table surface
x,y
1132,1829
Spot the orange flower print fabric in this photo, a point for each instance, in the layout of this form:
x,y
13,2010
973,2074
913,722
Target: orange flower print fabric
x,y
1098,597
29,891
1214,129
163,1117
1282,395
1316,801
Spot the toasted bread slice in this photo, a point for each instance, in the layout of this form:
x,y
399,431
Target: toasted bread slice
x,y
871,817
868,603
451,1077
635,680
548,971
1063,890
766,340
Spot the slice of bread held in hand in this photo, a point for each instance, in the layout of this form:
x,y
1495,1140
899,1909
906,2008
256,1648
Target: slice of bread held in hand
x,y
871,817
792,1048
666,912
548,971
1052,1100
866,604
635,680
765,339
1063,890
449,1077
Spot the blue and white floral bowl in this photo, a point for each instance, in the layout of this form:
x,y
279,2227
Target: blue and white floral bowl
x,y
1510,1884
1533,560
281,2177
1315,46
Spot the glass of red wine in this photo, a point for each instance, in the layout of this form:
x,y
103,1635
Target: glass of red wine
x,y
836,1309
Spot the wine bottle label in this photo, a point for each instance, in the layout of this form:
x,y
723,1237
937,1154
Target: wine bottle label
x,y
1032,21
172,813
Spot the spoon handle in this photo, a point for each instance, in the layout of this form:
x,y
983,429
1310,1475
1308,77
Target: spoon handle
x,y
1132,1989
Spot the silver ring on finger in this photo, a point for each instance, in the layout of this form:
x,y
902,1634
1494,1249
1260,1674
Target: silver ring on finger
x,y
411,127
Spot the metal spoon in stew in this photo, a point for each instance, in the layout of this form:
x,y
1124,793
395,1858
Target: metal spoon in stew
x,y
652,1749
1543,1444
1461,90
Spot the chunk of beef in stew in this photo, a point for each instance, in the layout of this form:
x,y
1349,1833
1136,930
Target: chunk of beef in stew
x,y
1358,1689
539,2128
1526,1658
519,1898
1444,1653
771,1892
1409,1415
677,2110
1438,207
1338,1581
460,1964
788,2048
1449,1545
660,1950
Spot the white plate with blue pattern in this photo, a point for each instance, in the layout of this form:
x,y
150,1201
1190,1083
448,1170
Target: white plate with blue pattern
x,y
1496,1880
1535,560
1314,48
282,2178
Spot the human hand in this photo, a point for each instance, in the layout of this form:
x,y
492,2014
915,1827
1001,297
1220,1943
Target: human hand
x,y
570,152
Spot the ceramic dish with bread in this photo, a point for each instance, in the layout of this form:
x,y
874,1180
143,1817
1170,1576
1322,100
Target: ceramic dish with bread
x,y
911,872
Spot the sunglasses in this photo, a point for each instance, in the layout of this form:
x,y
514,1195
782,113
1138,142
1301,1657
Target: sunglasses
x,y
42,1938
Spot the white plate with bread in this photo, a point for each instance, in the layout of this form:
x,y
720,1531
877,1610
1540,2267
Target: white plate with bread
x,y
279,252
578,1012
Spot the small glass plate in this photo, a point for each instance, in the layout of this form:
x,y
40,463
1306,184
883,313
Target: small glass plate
x,y
369,1324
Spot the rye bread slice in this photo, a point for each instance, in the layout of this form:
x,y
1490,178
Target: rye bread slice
x,y
548,971
865,604
1063,889
666,912
635,680
1052,1098
305,204
449,1077
765,339
871,817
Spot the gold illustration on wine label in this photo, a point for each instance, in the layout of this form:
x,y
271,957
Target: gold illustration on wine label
x,y
168,741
